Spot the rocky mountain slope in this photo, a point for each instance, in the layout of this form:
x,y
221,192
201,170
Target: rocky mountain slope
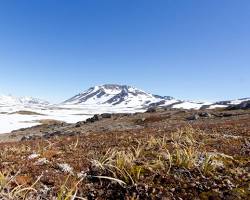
x,y
116,95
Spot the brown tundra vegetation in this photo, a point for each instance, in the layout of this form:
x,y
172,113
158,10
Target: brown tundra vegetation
x,y
163,154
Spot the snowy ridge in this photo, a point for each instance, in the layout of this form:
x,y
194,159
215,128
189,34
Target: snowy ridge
x,y
224,104
9,103
30,101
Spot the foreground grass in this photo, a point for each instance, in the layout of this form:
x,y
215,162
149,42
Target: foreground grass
x,y
175,165
148,166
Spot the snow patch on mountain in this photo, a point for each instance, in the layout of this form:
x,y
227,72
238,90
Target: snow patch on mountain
x,y
224,104
191,105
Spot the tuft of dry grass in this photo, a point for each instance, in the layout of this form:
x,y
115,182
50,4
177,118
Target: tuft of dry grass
x,y
157,155
12,188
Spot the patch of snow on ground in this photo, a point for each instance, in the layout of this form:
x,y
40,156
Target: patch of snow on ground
x,y
10,121
217,106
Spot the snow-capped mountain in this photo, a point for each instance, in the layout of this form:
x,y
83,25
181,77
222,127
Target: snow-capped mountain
x,y
9,103
116,96
33,101
122,96
12,100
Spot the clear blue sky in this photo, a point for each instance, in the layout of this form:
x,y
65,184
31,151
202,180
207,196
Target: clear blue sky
x,y
191,49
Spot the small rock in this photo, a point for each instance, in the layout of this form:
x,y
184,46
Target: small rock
x,y
226,114
151,110
78,124
193,117
93,119
25,138
70,133
82,174
106,115
42,161
33,156
140,121
64,167
205,114
192,185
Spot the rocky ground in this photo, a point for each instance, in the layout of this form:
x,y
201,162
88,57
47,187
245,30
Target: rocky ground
x,y
160,154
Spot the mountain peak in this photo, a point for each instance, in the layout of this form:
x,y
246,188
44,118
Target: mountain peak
x,y
115,95
114,86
